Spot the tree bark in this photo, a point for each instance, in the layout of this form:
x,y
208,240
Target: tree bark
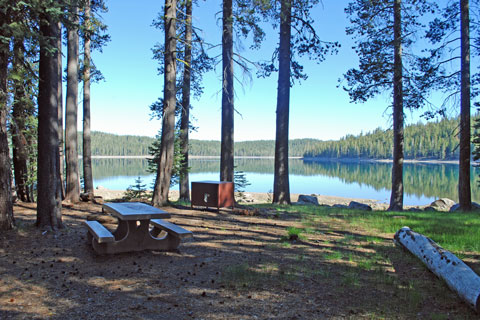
x,y
6,207
165,164
48,205
61,153
17,124
87,150
396,199
281,187
227,143
464,190
445,265
72,192
185,115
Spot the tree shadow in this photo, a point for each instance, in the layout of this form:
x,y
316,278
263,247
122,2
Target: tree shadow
x,y
235,267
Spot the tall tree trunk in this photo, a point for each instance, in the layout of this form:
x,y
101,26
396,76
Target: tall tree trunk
x,y
281,187
72,192
464,191
227,144
6,206
396,199
49,213
61,154
185,115
165,164
17,124
87,150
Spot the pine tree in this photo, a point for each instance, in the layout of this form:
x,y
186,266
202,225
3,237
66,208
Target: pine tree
x,y
303,41
448,70
49,214
72,192
6,206
165,163
191,52
383,29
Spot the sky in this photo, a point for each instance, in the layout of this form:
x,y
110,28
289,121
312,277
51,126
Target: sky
x,y
318,108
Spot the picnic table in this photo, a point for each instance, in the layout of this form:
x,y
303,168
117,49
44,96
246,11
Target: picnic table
x,y
133,232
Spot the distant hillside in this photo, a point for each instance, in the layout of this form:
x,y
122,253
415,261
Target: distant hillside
x,y
107,144
257,148
434,140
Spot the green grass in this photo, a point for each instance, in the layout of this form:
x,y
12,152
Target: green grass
x,y
455,231
366,264
336,255
348,238
359,255
293,231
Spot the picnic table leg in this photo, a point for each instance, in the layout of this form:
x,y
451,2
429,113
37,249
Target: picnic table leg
x,y
168,240
121,231
89,238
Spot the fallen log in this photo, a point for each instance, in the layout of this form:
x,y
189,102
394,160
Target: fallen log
x,y
444,264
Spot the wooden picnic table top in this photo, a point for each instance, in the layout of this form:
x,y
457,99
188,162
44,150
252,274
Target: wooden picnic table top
x,y
134,211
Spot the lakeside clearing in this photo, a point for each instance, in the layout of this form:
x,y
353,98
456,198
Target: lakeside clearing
x,y
243,264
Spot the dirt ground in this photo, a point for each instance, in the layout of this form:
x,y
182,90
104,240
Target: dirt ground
x,y
237,266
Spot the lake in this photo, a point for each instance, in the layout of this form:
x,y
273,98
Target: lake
x,y
423,183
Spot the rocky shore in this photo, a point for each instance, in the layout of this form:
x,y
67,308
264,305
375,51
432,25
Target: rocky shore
x,y
252,198
322,200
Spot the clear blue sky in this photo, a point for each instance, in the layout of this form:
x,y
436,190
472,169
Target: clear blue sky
x,y
318,109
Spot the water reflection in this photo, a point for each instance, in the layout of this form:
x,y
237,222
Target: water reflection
x,y
423,182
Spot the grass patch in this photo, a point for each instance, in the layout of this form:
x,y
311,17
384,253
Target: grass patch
x,y
366,264
347,238
336,255
374,240
455,231
295,233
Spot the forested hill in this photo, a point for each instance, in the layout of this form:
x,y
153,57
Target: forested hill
x,y
258,148
435,140
106,144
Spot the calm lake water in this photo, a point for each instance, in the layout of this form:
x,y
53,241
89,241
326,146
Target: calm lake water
x,y
423,183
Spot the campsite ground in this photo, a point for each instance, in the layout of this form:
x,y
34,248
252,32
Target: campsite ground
x,y
239,265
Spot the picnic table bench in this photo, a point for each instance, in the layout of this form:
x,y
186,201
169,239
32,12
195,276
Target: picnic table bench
x,y
133,232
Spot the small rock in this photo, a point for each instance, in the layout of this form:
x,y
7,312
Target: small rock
x,y
443,204
456,207
86,197
98,200
359,206
304,199
414,209
430,208
340,206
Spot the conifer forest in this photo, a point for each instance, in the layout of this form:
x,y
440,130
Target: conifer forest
x,y
40,141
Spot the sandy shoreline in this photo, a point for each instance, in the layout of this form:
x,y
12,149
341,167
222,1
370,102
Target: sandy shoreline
x,y
258,197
